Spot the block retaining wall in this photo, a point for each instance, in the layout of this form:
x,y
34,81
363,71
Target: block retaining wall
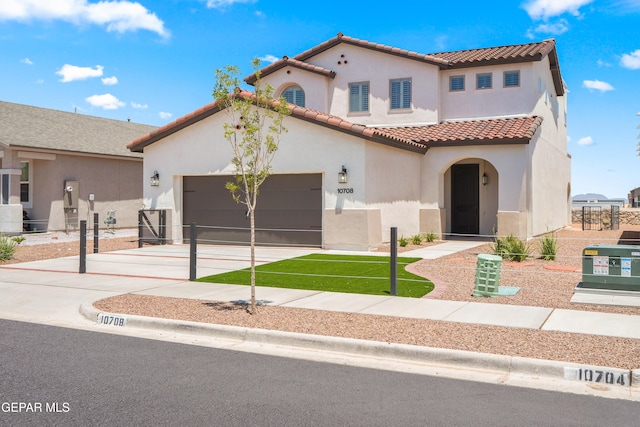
x,y
629,216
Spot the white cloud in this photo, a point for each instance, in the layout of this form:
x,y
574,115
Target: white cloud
x,y
165,116
631,60
71,73
269,58
106,101
587,140
221,4
139,106
119,16
26,61
545,9
560,27
110,81
597,85
626,6
602,63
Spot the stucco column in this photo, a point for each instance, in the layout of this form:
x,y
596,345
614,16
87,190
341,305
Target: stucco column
x,y
11,212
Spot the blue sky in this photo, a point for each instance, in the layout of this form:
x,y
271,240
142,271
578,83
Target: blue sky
x,y
153,61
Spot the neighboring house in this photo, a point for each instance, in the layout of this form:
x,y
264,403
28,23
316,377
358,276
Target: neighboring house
x,y
60,168
634,198
592,199
466,143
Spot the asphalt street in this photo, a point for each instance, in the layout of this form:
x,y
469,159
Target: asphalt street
x,y
77,377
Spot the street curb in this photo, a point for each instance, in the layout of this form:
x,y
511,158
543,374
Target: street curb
x,y
405,352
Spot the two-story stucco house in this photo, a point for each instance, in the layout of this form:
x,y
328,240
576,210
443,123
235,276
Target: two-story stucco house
x,y
459,143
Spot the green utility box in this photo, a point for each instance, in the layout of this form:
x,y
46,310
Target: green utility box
x,y
487,275
614,267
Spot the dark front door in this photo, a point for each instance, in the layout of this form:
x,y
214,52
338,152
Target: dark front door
x,y
465,199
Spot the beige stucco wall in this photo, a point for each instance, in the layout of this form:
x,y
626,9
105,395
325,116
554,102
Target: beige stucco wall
x,y
506,168
358,68
482,103
352,229
393,188
116,184
10,219
315,86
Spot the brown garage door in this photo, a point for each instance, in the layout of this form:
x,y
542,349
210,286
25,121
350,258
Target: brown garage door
x,y
289,211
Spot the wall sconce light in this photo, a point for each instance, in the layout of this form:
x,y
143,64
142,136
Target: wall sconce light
x,y
485,179
155,179
342,176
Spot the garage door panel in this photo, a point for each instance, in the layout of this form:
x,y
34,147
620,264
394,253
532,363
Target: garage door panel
x,y
285,203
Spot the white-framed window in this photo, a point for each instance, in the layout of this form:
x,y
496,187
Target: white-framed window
x,y
4,188
294,95
400,94
512,78
358,97
25,183
484,81
456,83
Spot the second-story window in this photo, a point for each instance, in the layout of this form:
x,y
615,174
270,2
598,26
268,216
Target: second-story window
x,y
456,83
400,94
511,78
358,97
294,95
483,81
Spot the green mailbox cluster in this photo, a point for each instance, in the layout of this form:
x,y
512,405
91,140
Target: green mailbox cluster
x,y
614,267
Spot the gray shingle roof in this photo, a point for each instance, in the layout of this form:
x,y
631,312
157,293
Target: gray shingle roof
x,y
24,126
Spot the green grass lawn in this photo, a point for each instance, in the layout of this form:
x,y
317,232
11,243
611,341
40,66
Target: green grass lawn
x,y
335,273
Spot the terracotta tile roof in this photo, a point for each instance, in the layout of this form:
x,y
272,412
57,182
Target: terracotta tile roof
x,y
309,115
528,52
500,54
138,144
416,138
286,61
508,55
341,38
473,132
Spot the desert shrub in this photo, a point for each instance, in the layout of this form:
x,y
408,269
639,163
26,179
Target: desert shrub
x,y
431,237
511,248
417,239
8,246
549,247
403,241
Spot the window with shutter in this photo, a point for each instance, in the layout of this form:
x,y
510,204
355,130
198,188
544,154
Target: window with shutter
x,y
358,97
294,95
400,94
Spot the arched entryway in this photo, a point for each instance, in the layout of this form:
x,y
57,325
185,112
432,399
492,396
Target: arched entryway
x,y
471,198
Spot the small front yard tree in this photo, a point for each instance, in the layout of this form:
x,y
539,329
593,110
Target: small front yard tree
x,y
254,128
